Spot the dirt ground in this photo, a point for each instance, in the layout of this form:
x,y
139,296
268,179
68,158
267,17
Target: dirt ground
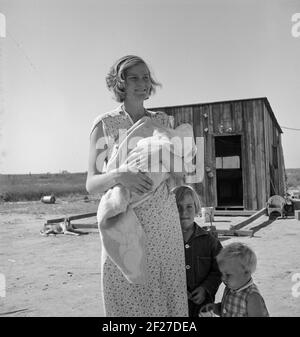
x,y
60,275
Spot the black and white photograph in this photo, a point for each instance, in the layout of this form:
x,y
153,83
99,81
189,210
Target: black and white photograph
x,y
149,160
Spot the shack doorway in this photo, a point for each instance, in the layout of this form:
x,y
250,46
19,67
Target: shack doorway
x,y
229,178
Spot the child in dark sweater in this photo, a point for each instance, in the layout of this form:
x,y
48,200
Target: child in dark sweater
x,y
201,248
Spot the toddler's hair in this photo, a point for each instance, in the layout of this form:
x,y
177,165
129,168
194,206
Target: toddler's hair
x,y
244,254
181,191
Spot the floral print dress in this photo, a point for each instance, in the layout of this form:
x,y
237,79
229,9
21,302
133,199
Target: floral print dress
x,y
165,292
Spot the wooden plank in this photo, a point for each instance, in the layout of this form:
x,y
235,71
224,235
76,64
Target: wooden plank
x,y
82,216
231,232
211,158
206,110
267,151
226,117
238,117
281,168
190,115
57,220
244,170
264,197
250,219
76,226
198,132
252,126
258,153
216,118
246,159
276,168
248,116
213,181
72,217
233,213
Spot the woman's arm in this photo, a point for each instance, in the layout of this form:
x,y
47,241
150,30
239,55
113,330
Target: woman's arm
x,y
99,182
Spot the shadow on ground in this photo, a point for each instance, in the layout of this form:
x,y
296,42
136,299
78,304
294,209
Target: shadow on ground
x,y
262,225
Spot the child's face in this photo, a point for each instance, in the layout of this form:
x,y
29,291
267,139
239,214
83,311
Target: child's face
x,y
233,274
186,209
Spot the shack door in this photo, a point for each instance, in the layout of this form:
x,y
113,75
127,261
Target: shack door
x,y
229,171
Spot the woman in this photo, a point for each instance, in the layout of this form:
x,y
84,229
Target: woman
x,y
165,292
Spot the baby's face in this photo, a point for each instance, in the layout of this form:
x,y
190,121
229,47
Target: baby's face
x,y
233,274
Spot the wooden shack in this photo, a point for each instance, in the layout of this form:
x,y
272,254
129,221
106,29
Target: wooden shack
x,y
242,162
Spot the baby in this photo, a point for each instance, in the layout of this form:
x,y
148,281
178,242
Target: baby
x,y
241,297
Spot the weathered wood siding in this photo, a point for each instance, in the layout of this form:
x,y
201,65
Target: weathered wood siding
x,y
273,148
260,146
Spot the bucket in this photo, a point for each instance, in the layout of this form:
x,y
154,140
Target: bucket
x,y
48,199
207,214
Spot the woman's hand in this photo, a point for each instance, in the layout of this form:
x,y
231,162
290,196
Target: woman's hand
x,y
133,178
146,158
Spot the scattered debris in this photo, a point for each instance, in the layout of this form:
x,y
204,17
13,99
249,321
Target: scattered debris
x,y
61,228
48,199
275,204
64,226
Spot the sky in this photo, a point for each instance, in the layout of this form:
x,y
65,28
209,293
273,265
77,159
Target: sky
x,y
56,54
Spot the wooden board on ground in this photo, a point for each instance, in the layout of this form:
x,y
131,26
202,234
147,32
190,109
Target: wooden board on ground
x,y
72,217
234,232
250,219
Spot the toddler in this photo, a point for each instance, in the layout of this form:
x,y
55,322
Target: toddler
x,y
241,297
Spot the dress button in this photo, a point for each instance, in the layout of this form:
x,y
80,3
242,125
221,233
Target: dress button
x,y
187,246
187,266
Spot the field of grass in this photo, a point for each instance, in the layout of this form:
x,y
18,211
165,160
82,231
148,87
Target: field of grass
x,y
22,187
293,178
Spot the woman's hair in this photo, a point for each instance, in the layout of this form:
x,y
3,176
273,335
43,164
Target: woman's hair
x,y
182,191
115,79
237,250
